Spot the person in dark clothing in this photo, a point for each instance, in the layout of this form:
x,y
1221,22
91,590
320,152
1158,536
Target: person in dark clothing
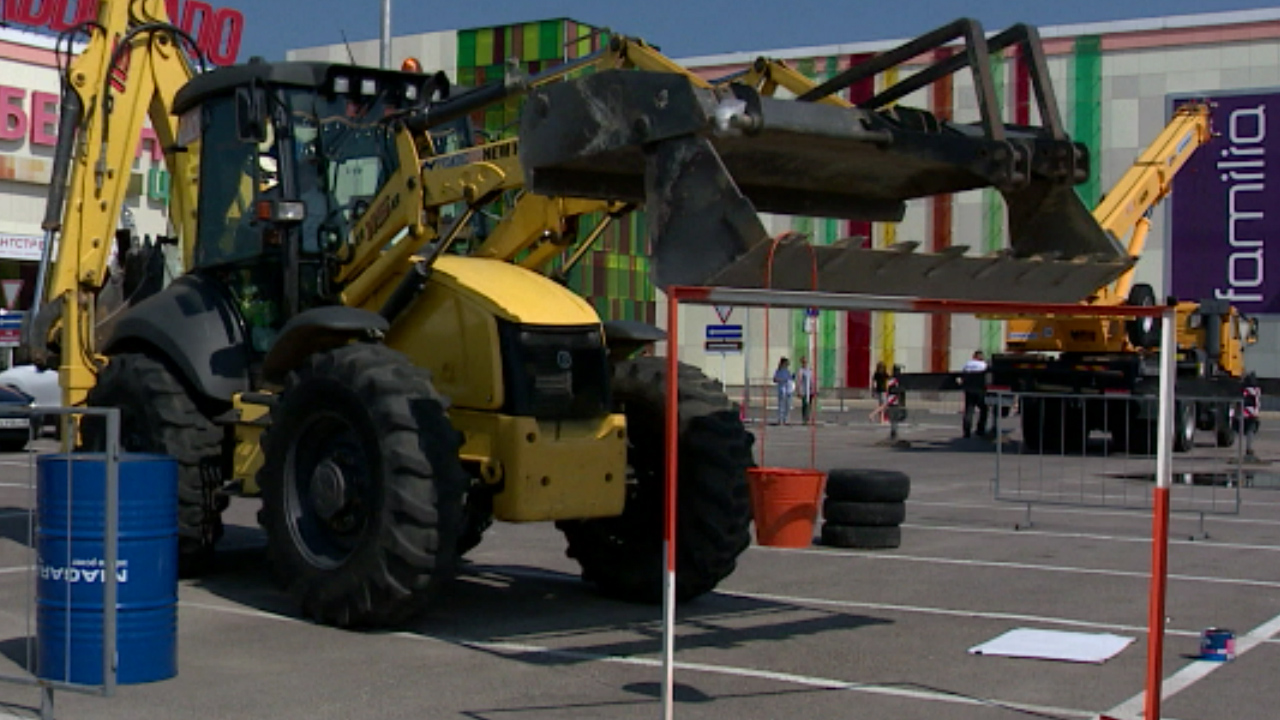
x,y
880,386
975,393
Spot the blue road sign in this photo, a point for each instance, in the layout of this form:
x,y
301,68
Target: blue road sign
x,y
11,320
724,332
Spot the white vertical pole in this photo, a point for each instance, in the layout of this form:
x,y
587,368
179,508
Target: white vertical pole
x,y
1168,371
1160,520
111,554
384,45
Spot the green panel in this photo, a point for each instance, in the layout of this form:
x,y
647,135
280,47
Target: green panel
x,y
532,38
828,341
992,241
583,46
550,38
799,340
1086,102
467,49
484,47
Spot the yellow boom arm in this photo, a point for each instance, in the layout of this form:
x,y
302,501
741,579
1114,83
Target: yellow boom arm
x,y
132,67
1123,212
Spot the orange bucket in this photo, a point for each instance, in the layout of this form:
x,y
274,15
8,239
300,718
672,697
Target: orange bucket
x,y
784,502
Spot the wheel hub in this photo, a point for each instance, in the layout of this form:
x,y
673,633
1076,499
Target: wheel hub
x,y
328,489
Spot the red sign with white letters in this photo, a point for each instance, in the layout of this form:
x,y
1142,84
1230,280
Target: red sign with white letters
x,y
216,31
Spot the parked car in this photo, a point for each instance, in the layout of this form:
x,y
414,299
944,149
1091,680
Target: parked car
x,y
15,428
40,385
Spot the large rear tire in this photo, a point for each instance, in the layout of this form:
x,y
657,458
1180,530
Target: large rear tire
x,y
158,414
361,487
623,555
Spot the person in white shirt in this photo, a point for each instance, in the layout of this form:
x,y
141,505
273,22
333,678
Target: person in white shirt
x,y
806,389
975,392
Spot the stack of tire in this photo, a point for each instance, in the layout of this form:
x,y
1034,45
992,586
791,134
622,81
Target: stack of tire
x,y
864,508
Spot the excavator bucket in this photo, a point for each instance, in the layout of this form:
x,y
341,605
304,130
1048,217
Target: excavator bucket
x,y
706,160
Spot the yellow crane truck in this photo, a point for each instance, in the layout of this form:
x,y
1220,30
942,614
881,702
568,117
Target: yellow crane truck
x,y
1074,356
344,346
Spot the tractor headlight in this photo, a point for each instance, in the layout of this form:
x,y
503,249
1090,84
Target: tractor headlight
x,y
554,372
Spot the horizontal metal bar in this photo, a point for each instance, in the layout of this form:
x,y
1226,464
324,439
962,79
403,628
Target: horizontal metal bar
x,y
855,301
32,681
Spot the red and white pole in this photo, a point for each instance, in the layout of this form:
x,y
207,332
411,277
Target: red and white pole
x,y
669,506
1160,522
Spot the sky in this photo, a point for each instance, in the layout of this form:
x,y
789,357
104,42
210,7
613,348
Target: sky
x,y
683,28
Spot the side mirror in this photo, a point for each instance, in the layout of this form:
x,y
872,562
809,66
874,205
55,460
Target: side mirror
x,y
1253,331
250,115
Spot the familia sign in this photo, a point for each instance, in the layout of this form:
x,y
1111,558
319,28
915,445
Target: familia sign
x,y
1226,230
216,30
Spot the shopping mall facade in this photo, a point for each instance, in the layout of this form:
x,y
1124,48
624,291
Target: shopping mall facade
x,y
1117,84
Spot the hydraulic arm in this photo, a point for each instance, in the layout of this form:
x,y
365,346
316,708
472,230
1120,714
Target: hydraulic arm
x,y
133,66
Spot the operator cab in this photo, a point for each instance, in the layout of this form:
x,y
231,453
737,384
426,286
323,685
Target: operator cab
x,y
290,155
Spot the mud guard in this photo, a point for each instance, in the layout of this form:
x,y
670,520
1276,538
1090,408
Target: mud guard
x,y
318,329
192,324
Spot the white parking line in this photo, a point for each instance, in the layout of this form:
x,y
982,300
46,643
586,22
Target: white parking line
x,y
1196,671
890,690
1022,566
1091,536
948,612
803,680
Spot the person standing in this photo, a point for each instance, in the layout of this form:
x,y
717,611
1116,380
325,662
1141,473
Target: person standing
x,y
1252,411
786,385
807,388
973,380
880,386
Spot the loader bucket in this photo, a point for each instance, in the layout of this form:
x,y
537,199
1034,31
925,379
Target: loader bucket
x,y
705,161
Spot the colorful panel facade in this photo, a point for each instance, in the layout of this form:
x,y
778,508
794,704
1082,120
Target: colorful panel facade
x,y
614,276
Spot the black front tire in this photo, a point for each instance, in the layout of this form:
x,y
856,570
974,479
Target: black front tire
x,y
159,415
623,555
361,488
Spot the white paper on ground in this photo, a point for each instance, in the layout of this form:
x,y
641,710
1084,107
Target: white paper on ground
x,y
1054,645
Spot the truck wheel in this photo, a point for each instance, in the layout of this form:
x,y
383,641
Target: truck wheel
x,y
1224,431
361,487
1143,332
623,555
159,415
1042,425
1141,436
1184,428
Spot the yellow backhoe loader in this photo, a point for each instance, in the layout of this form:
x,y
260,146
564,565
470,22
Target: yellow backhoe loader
x,y
343,344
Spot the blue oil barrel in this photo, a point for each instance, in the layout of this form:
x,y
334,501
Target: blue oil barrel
x,y
71,566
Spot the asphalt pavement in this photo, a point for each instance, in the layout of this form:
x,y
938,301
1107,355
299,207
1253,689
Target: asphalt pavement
x,y
815,633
